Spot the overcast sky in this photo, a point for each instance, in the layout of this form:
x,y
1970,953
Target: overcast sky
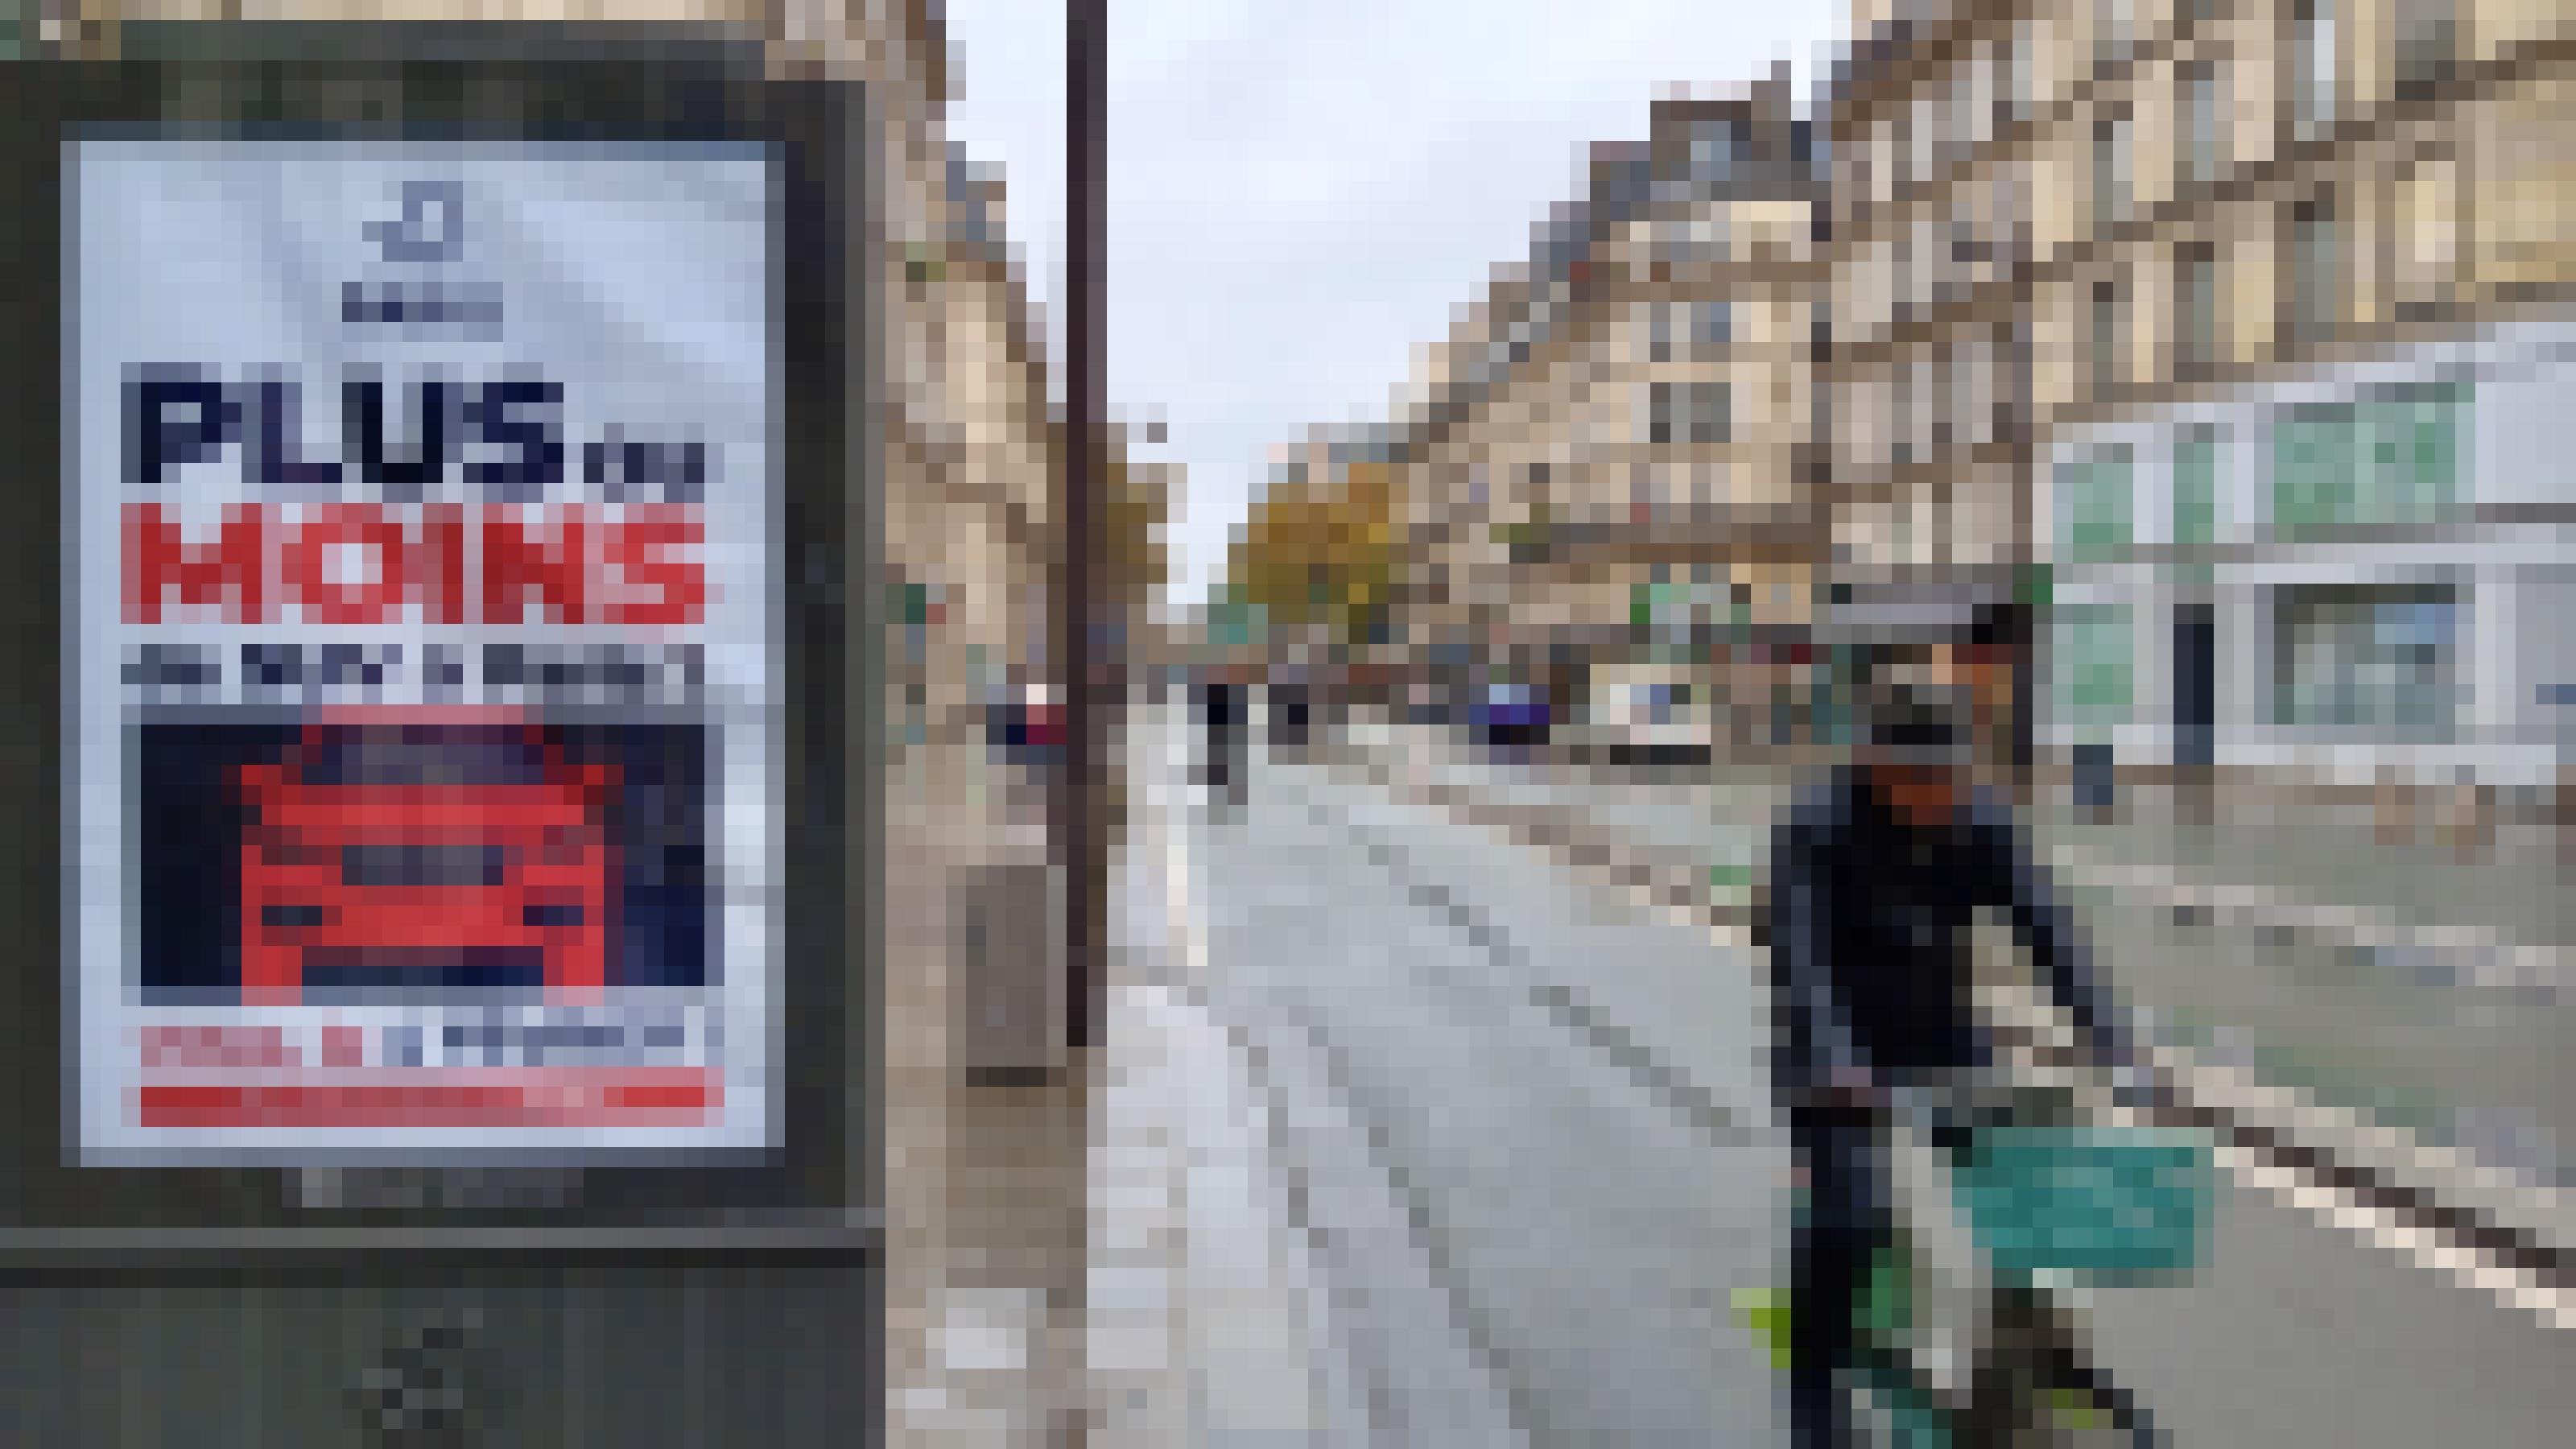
x,y
1300,192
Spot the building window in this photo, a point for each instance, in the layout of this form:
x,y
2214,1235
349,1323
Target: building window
x,y
1869,303
2110,172
1711,239
2371,659
1966,120
1713,144
2113,34
1710,414
1889,163
1979,97
1688,413
2203,148
1927,130
2428,45
1859,414
1712,327
1641,493
1925,409
1928,271
2313,281
1995,351
2428,212
1971,388
2093,506
2312,67
2196,321
1659,332
2108,339
1900,386
2008,376
2007,218
1962,418
1900,276
2012,74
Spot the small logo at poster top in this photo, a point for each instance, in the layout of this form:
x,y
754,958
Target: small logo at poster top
x,y
430,232
432,225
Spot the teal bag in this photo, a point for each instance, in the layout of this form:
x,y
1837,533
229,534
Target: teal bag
x,y
2109,1205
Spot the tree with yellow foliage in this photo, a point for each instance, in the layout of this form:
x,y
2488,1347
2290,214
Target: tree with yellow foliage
x,y
1364,548
1274,562
1329,555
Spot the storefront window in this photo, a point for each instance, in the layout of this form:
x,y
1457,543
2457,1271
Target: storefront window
x,y
2091,660
2195,493
2367,658
2311,469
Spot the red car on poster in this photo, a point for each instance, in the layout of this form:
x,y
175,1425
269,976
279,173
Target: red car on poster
x,y
387,844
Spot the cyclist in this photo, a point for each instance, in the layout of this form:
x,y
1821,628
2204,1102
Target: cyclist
x,y
1876,874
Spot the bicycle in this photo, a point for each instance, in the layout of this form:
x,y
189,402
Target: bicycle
x,y
2048,1200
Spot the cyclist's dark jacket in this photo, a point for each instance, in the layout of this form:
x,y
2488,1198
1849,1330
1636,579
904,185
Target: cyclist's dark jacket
x,y
1866,920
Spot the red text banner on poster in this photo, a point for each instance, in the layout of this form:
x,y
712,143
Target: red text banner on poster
x,y
538,1097
441,563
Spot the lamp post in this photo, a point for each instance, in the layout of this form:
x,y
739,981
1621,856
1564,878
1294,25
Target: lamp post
x,y
1080,842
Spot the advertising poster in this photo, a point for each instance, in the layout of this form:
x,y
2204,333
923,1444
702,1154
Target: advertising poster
x,y
422,651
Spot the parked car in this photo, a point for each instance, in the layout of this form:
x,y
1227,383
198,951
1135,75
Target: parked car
x,y
1027,724
1646,714
1512,716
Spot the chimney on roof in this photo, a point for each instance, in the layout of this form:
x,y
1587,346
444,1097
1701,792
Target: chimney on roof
x,y
1767,102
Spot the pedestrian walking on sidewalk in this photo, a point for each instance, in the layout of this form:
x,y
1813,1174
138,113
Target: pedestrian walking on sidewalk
x,y
1875,876
1221,709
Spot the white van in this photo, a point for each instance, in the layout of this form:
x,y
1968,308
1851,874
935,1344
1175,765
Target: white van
x,y
1648,713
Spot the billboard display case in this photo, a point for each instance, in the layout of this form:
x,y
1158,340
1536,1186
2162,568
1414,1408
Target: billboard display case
x,y
453,563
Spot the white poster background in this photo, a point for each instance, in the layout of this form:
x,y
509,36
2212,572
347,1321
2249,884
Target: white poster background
x,y
635,276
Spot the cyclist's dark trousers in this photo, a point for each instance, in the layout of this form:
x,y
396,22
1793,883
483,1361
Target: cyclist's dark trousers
x,y
1845,1160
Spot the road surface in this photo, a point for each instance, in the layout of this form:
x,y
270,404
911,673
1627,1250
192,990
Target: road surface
x,y
1532,1161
